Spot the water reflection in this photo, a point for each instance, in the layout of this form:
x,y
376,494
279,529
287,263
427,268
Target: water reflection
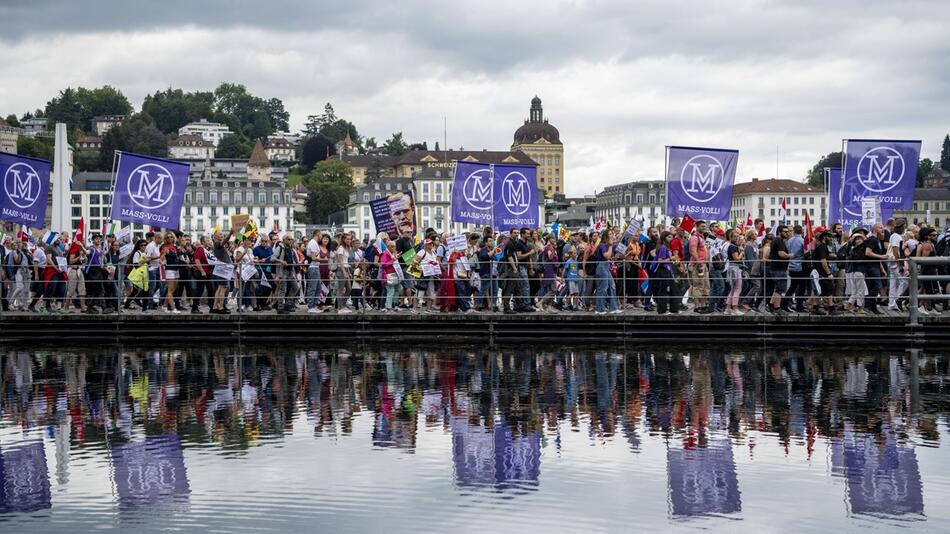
x,y
503,417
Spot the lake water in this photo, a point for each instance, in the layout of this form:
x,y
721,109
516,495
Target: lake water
x,y
501,440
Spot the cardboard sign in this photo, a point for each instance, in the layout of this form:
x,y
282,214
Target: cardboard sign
x,y
238,222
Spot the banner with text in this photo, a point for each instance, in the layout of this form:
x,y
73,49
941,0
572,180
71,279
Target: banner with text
x,y
395,214
25,190
149,191
505,196
699,182
881,168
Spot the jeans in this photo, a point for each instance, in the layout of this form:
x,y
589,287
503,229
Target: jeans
x,y
717,288
897,284
488,291
463,295
523,301
154,280
663,293
605,287
392,293
313,285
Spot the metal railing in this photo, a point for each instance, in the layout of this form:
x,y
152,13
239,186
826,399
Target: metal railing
x,y
915,283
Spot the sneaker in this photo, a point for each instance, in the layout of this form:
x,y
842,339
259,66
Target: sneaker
x,y
176,311
618,310
313,310
344,311
600,313
923,311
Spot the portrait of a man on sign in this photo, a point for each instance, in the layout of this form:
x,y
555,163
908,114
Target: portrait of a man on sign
x,y
403,212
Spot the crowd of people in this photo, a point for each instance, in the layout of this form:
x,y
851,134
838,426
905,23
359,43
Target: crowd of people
x,y
704,269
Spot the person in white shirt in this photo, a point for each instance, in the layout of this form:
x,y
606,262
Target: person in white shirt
x,y
39,265
313,271
897,281
153,253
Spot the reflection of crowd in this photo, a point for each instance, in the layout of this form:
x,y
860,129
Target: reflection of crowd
x,y
238,401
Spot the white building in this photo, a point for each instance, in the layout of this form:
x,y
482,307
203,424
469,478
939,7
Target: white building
x,y
292,138
104,123
618,203
33,127
212,132
279,149
189,147
8,137
763,198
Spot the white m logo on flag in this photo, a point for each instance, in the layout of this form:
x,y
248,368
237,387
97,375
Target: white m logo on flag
x,y
702,182
477,189
701,177
881,169
150,186
22,185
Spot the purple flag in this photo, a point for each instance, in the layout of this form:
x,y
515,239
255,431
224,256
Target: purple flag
x,y
150,475
24,479
886,169
149,191
699,182
703,480
395,214
503,196
25,190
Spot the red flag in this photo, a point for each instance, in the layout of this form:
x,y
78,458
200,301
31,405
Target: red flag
x,y
79,237
275,227
748,221
761,229
809,233
687,223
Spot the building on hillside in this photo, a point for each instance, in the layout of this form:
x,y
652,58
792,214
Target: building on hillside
x,y
618,203
259,167
937,178
8,137
34,127
763,198
104,123
931,205
541,141
292,138
367,167
228,168
298,198
279,149
347,147
89,142
212,132
189,146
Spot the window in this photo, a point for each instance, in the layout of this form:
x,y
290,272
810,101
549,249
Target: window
x,y
107,200
199,197
94,212
811,200
262,197
93,199
187,198
795,211
77,211
214,211
77,199
425,211
772,212
926,206
238,198
377,196
276,198
365,197
214,197
365,211
225,197
201,210
438,191
652,199
365,224
639,198
227,211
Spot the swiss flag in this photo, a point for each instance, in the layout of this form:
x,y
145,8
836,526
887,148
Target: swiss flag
x,y
748,220
79,237
687,223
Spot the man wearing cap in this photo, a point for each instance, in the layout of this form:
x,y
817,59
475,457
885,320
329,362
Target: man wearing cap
x,y
778,268
874,273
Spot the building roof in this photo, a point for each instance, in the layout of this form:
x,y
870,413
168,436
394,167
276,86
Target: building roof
x,y
278,142
421,157
932,193
532,132
92,181
258,157
109,118
773,185
348,141
89,139
190,140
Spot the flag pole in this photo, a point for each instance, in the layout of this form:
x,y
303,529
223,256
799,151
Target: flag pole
x,y
116,156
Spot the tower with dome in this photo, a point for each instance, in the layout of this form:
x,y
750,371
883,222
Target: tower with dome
x,y
541,141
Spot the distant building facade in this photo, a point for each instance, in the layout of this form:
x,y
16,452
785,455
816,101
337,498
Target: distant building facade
x,y
279,149
931,205
34,126
104,123
190,146
763,198
541,141
618,203
212,132
8,137
89,142
368,167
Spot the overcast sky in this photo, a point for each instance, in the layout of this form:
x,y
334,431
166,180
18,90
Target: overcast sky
x,y
619,79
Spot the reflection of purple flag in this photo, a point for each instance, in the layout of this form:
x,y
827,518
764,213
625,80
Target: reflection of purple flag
x,y
703,480
883,478
699,182
24,191
496,458
151,474
149,191
24,477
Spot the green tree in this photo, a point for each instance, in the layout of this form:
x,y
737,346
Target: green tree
x,y
331,126
395,145
945,154
375,171
173,108
234,146
816,176
251,115
37,147
329,185
371,142
924,168
13,121
316,149
258,125
419,146
77,107
88,160
138,134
